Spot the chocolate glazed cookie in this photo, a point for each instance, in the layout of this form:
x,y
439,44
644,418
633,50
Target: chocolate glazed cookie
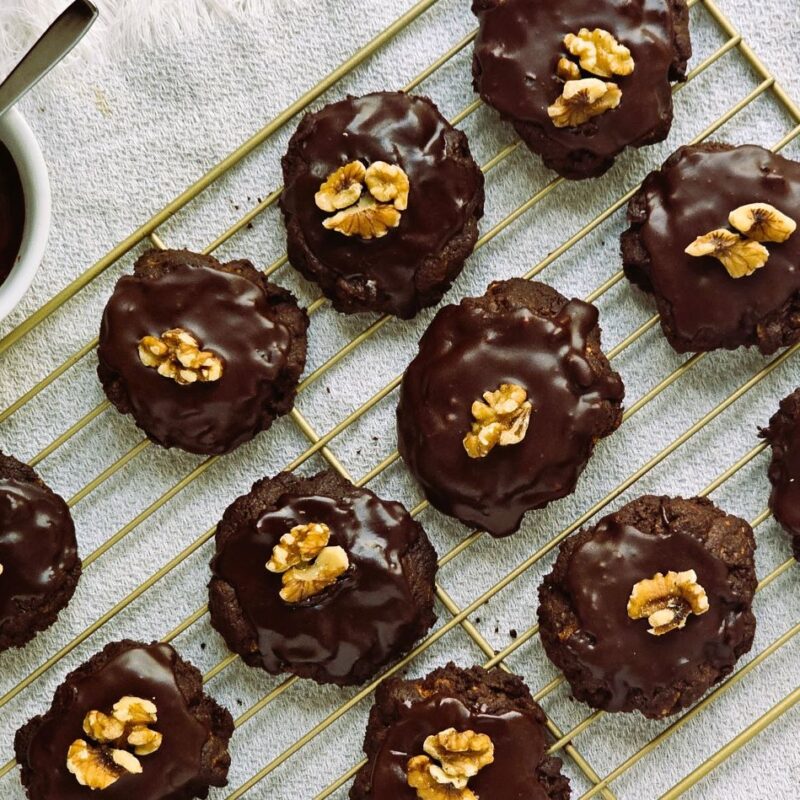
x,y
783,433
702,306
204,355
655,556
182,751
518,49
39,564
320,578
411,260
520,334
491,705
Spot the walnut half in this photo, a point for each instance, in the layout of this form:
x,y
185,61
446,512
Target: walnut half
x,y
740,257
599,52
762,222
303,543
307,580
667,600
176,354
367,220
582,100
461,755
100,765
501,419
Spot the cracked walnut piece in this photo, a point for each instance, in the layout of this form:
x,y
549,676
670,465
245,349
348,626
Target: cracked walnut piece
x,y
740,257
342,188
762,222
302,582
303,543
599,52
177,355
387,183
367,220
462,754
100,765
582,100
667,600
501,418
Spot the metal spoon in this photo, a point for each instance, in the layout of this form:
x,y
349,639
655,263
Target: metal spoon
x,y
53,45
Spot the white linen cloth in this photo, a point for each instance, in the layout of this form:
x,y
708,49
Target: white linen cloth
x,y
124,135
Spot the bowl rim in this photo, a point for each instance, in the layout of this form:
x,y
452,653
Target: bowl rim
x,y
17,136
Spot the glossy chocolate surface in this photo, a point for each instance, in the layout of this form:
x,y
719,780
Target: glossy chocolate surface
x,y
618,650
399,129
521,41
694,197
37,545
466,352
12,212
784,474
144,671
519,747
366,613
229,315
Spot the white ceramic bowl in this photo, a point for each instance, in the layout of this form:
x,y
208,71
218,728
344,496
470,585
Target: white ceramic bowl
x,y
17,136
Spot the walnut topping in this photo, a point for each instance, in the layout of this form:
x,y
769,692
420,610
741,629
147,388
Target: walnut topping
x,y
420,777
501,418
308,580
303,543
388,183
741,257
371,216
176,354
567,70
1,569
762,222
599,52
126,728
582,100
342,188
99,767
667,600
461,755
368,219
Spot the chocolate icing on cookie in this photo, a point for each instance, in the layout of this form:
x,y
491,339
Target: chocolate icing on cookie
x,y
519,45
702,306
38,550
783,434
231,316
146,671
467,351
402,130
618,650
368,613
519,748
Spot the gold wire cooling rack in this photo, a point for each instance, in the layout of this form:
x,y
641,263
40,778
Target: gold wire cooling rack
x,y
563,741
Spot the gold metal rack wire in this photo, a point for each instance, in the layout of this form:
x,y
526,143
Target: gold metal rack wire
x,y
459,617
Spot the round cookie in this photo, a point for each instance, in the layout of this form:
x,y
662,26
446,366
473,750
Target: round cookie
x,y
783,433
246,348
39,564
595,606
519,334
487,703
516,69
186,755
341,623
422,240
702,306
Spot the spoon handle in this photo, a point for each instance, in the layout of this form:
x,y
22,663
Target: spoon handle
x,y
52,46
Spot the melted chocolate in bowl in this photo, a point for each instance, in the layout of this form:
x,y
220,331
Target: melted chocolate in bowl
x,y
12,212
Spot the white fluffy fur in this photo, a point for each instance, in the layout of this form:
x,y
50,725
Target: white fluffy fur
x,y
123,26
